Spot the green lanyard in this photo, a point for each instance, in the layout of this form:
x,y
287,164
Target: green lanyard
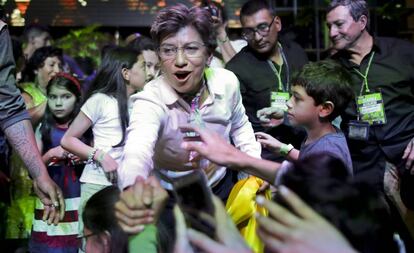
x,y
365,77
278,73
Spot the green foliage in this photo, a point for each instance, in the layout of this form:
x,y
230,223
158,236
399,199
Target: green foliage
x,y
84,42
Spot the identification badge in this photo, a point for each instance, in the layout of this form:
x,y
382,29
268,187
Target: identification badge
x,y
371,108
358,130
279,100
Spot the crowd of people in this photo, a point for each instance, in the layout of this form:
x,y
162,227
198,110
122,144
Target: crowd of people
x,y
189,142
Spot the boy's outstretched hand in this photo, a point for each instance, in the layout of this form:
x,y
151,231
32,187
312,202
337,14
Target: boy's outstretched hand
x,y
269,142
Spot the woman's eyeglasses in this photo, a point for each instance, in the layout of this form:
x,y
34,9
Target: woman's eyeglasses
x,y
190,50
262,29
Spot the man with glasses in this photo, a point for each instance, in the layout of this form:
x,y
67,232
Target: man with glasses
x,y
264,67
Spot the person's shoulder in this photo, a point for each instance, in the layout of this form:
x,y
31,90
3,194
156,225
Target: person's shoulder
x,y
294,51
26,85
98,96
291,44
219,72
152,92
392,44
239,59
218,75
333,141
2,25
152,88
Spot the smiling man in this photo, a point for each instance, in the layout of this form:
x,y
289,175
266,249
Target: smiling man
x,y
383,68
380,134
264,67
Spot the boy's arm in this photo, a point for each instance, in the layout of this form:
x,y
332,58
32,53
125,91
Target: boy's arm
x,y
273,144
293,155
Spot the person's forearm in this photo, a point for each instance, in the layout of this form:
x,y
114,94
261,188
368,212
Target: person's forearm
x,y
293,155
257,167
76,147
227,50
223,41
47,158
21,137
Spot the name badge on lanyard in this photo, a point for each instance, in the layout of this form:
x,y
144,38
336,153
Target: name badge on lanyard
x,y
279,98
371,108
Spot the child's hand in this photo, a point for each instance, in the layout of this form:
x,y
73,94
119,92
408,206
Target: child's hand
x,y
74,158
57,153
268,142
109,165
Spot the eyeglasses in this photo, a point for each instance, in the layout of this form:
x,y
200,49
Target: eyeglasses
x,y
191,50
262,29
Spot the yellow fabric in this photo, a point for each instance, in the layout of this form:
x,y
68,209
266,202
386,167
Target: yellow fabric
x,y
241,206
37,96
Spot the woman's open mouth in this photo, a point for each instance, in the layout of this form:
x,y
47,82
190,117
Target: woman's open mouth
x,y
182,76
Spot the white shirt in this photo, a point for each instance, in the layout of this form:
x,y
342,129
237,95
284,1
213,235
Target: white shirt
x,y
102,110
154,138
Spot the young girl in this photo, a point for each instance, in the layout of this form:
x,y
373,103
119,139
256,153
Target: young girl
x,y
121,74
63,103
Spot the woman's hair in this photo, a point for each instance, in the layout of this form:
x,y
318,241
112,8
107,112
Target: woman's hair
x,y
69,83
171,19
99,217
37,60
109,81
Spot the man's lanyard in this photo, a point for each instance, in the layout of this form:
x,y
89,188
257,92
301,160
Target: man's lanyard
x,y
278,73
365,77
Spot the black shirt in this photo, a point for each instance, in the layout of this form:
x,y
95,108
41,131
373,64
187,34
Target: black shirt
x,y
392,72
257,79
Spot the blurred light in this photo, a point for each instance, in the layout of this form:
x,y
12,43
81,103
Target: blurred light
x,y
17,18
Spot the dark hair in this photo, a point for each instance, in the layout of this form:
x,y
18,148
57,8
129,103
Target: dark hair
x,y
70,83
326,81
105,49
109,81
251,7
354,208
357,8
37,60
171,19
99,217
33,30
142,43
